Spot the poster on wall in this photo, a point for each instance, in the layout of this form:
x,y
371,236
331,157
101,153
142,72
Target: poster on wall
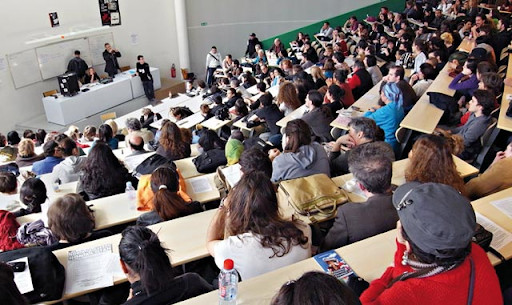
x,y
109,12
54,19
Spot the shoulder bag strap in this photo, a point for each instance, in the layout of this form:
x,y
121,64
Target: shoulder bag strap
x,y
471,281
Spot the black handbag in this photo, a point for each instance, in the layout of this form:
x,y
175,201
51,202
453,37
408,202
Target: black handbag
x,y
483,238
509,110
48,275
208,161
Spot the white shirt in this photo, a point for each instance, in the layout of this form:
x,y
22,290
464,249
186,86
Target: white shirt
x,y
213,60
421,86
251,259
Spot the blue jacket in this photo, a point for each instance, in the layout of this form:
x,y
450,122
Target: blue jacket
x,y
46,165
388,118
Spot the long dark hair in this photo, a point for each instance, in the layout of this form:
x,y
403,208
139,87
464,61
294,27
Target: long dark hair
x,y
33,194
167,203
253,208
141,250
105,133
103,173
298,134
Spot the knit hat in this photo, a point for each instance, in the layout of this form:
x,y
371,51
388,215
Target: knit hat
x,y
393,93
435,217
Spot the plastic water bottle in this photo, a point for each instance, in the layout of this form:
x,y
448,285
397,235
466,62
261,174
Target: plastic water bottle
x,y
130,191
228,284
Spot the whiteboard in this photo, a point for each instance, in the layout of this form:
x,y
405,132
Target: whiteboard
x,y
24,68
53,59
97,46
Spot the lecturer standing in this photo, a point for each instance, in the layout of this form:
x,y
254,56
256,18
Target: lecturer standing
x,y
110,56
145,76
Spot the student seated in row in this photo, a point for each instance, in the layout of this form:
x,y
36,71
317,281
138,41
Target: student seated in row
x,y
258,239
148,268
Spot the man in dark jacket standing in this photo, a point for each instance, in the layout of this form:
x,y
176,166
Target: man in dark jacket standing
x,y
110,56
251,45
145,76
77,65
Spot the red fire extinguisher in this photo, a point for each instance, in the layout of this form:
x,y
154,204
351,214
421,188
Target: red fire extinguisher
x,y
173,71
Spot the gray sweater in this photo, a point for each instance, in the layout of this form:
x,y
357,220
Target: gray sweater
x,y
309,160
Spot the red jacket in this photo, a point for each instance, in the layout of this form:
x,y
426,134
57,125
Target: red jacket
x,y
450,287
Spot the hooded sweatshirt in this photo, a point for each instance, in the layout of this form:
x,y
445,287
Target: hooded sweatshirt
x,y
309,160
68,170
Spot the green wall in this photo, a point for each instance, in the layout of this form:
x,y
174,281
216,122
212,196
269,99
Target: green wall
x,y
372,10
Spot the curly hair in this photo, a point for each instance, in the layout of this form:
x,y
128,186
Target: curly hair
x,y
253,207
431,160
288,95
171,138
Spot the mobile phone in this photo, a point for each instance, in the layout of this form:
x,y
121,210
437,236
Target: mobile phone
x,y
17,266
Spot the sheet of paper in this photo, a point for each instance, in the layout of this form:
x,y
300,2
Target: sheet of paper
x,y
500,237
232,174
200,185
23,279
504,205
88,269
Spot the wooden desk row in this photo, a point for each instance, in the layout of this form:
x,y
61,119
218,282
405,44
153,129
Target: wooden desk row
x,y
189,245
184,236
360,256
366,102
424,116
399,167
118,209
505,122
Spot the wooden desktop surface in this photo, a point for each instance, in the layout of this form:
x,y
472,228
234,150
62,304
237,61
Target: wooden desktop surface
x,y
361,256
505,122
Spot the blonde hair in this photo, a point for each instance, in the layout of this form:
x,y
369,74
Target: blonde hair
x,y
447,38
317,73
112,125
26,148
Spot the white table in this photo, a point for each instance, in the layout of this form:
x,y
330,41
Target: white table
x,y
137,88
126,86
66,110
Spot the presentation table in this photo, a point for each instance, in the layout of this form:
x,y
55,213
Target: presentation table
x,y
64,110
137,89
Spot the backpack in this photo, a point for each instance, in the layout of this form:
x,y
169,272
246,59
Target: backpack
x,y
186,111
48,275
208,161
222,114
150,164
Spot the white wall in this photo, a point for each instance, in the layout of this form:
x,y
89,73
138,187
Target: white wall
x,y
153,21
229,24
231,21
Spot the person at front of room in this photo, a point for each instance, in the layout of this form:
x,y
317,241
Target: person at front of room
x,y
213,61
110,56
435,261
91,76
142,70
77,65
